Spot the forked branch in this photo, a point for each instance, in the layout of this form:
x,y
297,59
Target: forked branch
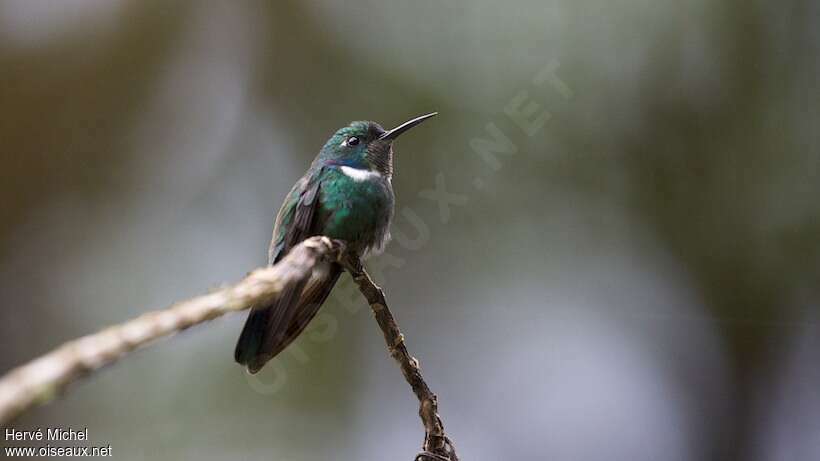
x,y
48,376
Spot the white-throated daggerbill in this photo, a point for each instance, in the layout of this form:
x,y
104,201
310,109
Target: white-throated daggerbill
x,y
347,195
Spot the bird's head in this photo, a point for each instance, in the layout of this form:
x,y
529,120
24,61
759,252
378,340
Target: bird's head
x,y
366,145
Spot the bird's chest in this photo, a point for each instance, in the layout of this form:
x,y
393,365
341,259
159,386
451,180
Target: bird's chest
x,y
356,206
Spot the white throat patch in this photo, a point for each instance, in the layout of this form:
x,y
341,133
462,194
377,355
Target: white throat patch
x,y
359,175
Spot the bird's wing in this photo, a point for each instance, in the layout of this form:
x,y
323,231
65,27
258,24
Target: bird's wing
x,y
295,220
270,328
302,311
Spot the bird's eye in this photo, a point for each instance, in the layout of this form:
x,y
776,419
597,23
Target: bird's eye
x,y
352,141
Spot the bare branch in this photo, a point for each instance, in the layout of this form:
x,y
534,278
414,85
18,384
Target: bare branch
x,y
437,446
40,380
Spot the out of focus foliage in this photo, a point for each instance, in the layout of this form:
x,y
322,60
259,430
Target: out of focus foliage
x,y
640,273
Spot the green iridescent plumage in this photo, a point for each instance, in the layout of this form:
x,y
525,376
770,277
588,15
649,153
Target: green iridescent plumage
x,y
346,195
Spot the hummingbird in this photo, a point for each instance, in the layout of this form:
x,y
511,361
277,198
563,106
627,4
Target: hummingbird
x,y
346,195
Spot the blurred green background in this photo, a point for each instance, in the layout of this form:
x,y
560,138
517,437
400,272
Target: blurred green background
x,y
633,278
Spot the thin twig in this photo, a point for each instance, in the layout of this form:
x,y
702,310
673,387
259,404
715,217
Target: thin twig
x,y
437,446
40,380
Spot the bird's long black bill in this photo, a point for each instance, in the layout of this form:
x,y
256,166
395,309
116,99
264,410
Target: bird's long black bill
x,y
395,132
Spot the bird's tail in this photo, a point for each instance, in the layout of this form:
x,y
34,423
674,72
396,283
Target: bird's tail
x,y
271,328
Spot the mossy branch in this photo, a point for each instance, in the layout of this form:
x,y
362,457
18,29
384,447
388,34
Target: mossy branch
x,y
48,376
40,380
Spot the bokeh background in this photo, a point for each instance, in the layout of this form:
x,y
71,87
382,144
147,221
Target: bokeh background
x,y
632,277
